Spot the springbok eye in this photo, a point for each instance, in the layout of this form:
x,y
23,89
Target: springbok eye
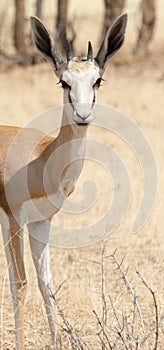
x,y
97,83
64,84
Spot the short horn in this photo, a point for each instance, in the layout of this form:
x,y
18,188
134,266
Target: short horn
x,y
69,52
90,52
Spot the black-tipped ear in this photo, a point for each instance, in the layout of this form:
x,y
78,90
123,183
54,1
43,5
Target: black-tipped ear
x,y
45,43
112,42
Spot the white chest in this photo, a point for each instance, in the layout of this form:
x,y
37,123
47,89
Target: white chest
x,y
43,208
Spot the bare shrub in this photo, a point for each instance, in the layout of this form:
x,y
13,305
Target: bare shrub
x,y
120,325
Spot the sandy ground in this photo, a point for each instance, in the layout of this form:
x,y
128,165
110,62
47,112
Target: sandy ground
x,y
136,89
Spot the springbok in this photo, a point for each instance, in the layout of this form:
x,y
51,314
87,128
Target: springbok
x,y
29,181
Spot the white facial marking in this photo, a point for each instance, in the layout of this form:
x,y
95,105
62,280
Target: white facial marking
x,y
81,78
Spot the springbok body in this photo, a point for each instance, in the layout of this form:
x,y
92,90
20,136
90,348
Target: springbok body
x,y
38,172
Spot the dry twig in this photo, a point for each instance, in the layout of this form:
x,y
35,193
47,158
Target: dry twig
x,y
75,341
156,310
132,291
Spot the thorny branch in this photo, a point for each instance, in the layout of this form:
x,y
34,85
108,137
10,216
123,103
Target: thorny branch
x,y
103,331
130,288
76,342
155,307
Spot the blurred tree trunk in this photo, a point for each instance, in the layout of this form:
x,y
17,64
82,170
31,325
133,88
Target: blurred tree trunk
x,y
113,9
19,26
146,30
39,4
64,29
61,24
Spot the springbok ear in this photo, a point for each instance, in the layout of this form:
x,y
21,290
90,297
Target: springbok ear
x,y
112,42
45,44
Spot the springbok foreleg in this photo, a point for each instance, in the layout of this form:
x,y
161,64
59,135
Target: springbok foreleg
x,y
13,241
39,238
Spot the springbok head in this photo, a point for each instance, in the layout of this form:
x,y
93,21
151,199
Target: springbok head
x,y
80,77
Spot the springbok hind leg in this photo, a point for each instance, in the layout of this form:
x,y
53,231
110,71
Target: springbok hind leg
x,y
39,239
13,241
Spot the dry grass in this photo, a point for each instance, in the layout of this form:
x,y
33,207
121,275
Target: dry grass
x,y
82,293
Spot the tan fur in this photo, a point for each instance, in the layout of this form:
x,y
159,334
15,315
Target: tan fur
x,y
14,156
77,65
